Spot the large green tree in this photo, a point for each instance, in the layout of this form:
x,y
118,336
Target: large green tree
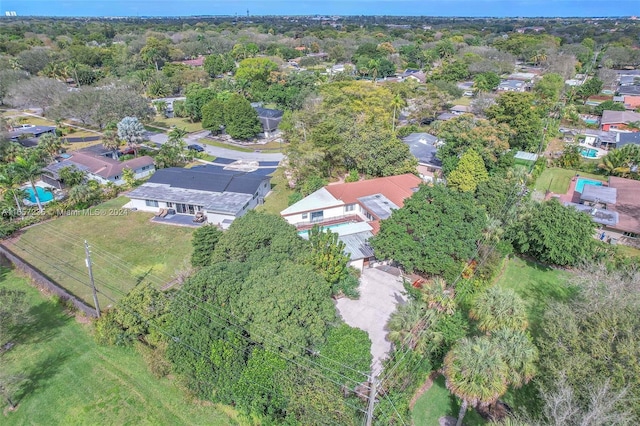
x,y
434,233
554,233
240,118
469,173
519,111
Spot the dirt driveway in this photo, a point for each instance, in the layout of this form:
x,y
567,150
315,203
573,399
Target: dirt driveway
x,y
380,293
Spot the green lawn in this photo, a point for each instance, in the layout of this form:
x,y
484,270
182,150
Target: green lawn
x,y
438,402
73,381
126,249
225,145
537,284
182,123
463,100
278,200
557,180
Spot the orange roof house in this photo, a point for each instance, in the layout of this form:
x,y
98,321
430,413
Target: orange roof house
x,y
632,102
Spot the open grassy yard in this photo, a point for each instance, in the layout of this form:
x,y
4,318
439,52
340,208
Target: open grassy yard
x,y
463,100
278,200
126,248
537,285
438,402
206,141
72,380
557,180
182,123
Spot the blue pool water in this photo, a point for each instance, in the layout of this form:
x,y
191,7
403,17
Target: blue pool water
x,y
590,120
581,182
44,195
589,153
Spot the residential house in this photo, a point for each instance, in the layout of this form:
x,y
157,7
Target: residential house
x,y
511,86
616,206
197,62
219,193
460,109
618,120
629,90
28,134
522,76
353,210
632,102
413,74
424,147
270,119
100,168
445,116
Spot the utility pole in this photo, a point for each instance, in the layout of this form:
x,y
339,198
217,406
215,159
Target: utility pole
x,y
372,400
93,284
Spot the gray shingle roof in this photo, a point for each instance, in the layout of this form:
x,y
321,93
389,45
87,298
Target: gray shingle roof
x,y
423,146
209,178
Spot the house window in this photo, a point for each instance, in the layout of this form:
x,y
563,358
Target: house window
x,y
151,203
169,204
116,177
317,216
305,215
181,208
349,207
368,215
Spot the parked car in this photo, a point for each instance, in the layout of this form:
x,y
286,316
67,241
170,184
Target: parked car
x,y
195,147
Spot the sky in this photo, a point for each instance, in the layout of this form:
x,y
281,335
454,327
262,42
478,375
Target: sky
x,y
497,8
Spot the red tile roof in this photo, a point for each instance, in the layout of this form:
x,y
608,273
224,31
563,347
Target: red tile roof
x,y
632,102
395,188
106,167
627,204
198,62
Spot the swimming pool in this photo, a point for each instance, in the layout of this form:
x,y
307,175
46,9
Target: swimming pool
x,y
581,182
589,152
590,120
44,195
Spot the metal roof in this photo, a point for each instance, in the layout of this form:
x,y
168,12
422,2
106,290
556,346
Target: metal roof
x,y
227,202
599,194
601,216
379,205
527,156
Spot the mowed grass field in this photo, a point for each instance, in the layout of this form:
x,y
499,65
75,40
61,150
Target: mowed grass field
x,y
73,381
438,402
557,180
126,248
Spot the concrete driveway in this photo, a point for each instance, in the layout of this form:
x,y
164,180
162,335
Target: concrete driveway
x,y
380,293
192,138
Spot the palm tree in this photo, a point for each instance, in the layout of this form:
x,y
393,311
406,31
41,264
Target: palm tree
x,y
397,103
407,327
111,141
51,144
519,353
475,372
29,168
499,308
10,185
439,297
616,163
374,67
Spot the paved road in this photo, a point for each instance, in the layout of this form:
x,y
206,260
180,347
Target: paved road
x,y
216,151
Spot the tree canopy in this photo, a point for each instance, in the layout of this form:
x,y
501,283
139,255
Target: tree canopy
x,y
434,233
